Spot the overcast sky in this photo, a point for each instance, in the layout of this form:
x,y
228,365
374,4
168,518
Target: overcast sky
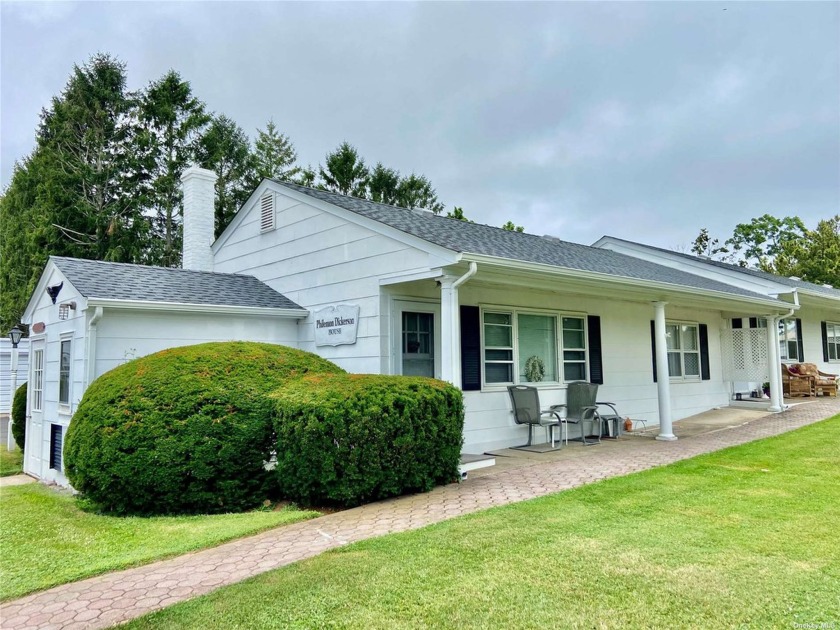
x,y
646,121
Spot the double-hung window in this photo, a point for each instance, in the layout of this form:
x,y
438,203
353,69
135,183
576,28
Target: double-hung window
x,y
832,335
683,351
788,340
528,347
64,373
38,380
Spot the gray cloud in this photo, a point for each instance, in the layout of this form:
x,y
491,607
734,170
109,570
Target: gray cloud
x,y
642,120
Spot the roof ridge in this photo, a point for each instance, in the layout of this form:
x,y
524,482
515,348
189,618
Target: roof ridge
x,y
141,266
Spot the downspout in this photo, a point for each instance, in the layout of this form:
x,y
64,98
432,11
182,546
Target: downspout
x,y
91,345
451,325
776,398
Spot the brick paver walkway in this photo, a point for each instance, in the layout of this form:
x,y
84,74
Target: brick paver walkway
x,y
106,600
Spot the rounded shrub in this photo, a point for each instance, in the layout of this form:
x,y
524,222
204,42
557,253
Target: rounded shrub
x,y
185,430
19,416
347,439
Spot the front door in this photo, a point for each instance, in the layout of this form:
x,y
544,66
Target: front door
x,y
416,338
33,454
418,344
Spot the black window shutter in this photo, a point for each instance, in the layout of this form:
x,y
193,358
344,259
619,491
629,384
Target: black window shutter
x,y
753,322
653,346
596,364
470,348
801,357
56,443
825,341
705,375
737,323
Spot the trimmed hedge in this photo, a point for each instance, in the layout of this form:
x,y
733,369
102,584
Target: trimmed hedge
x,y
185,430
19,416
350,439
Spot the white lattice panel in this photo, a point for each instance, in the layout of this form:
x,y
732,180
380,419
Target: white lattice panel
x,y
745,355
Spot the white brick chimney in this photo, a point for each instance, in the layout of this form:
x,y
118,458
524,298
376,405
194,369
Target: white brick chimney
x,y
199,217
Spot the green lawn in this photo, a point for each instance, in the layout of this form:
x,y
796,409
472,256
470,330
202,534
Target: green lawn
x,y
748,537
46,540
11,462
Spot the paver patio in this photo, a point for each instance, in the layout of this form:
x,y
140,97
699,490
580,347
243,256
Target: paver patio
x,y
112,598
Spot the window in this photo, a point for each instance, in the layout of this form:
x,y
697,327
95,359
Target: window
x,y
37,380
64,374
683,351
832,335
788,340
523,347
56,444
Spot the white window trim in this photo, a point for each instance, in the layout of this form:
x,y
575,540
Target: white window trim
x,y
780,341
836,326
64,407
683,378
37,379
514,312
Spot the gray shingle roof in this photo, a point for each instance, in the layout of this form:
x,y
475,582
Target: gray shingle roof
x,y
756,273
121,281
475,238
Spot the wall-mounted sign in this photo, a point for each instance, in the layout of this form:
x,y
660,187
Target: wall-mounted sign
x,y
336,325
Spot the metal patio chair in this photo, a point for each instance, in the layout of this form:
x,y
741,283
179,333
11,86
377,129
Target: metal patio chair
x,y
526,410
582,409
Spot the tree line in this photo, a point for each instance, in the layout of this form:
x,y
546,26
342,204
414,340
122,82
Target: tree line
x,y
783,246
103,181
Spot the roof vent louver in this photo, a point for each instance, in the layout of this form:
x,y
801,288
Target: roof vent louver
x,y
267,212
828,286
549,237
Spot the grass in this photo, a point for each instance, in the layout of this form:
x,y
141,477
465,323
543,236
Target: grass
x,y
745,537
11,462
47,540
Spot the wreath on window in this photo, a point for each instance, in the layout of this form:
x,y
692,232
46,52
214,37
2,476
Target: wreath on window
x,y
534,369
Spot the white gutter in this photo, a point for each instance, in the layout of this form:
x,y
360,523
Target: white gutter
x,y
91,345
470,273
579,274
199,308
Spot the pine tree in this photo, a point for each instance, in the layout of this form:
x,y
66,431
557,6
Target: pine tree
x,y
225,149
274,156
383,184
173,120
345,172
415,191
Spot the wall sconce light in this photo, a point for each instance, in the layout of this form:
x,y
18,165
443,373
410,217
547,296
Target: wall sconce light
x,y
64,309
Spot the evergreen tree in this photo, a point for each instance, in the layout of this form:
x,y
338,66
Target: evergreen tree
x,y
345,172
510,227
816,257
415,191
173,121
224,148
274,156
383,184
458,213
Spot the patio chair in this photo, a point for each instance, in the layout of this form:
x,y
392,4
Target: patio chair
x,y
581,408
823,383
526,410
795,383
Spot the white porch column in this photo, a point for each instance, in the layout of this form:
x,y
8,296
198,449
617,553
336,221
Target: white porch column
x,y
663,378
450,331
774,362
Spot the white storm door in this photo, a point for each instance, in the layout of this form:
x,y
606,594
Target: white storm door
x,y
417,338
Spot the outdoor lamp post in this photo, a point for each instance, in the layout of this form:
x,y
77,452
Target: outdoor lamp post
x,y
14,336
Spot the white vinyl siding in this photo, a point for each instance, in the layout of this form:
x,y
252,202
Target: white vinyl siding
x,y
683,351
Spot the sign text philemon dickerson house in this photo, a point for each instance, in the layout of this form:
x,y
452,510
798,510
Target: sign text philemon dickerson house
x,y
336,325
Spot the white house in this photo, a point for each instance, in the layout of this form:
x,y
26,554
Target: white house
x,y
395,291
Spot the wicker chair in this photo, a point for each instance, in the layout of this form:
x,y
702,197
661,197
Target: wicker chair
x,y
796,384
823,383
